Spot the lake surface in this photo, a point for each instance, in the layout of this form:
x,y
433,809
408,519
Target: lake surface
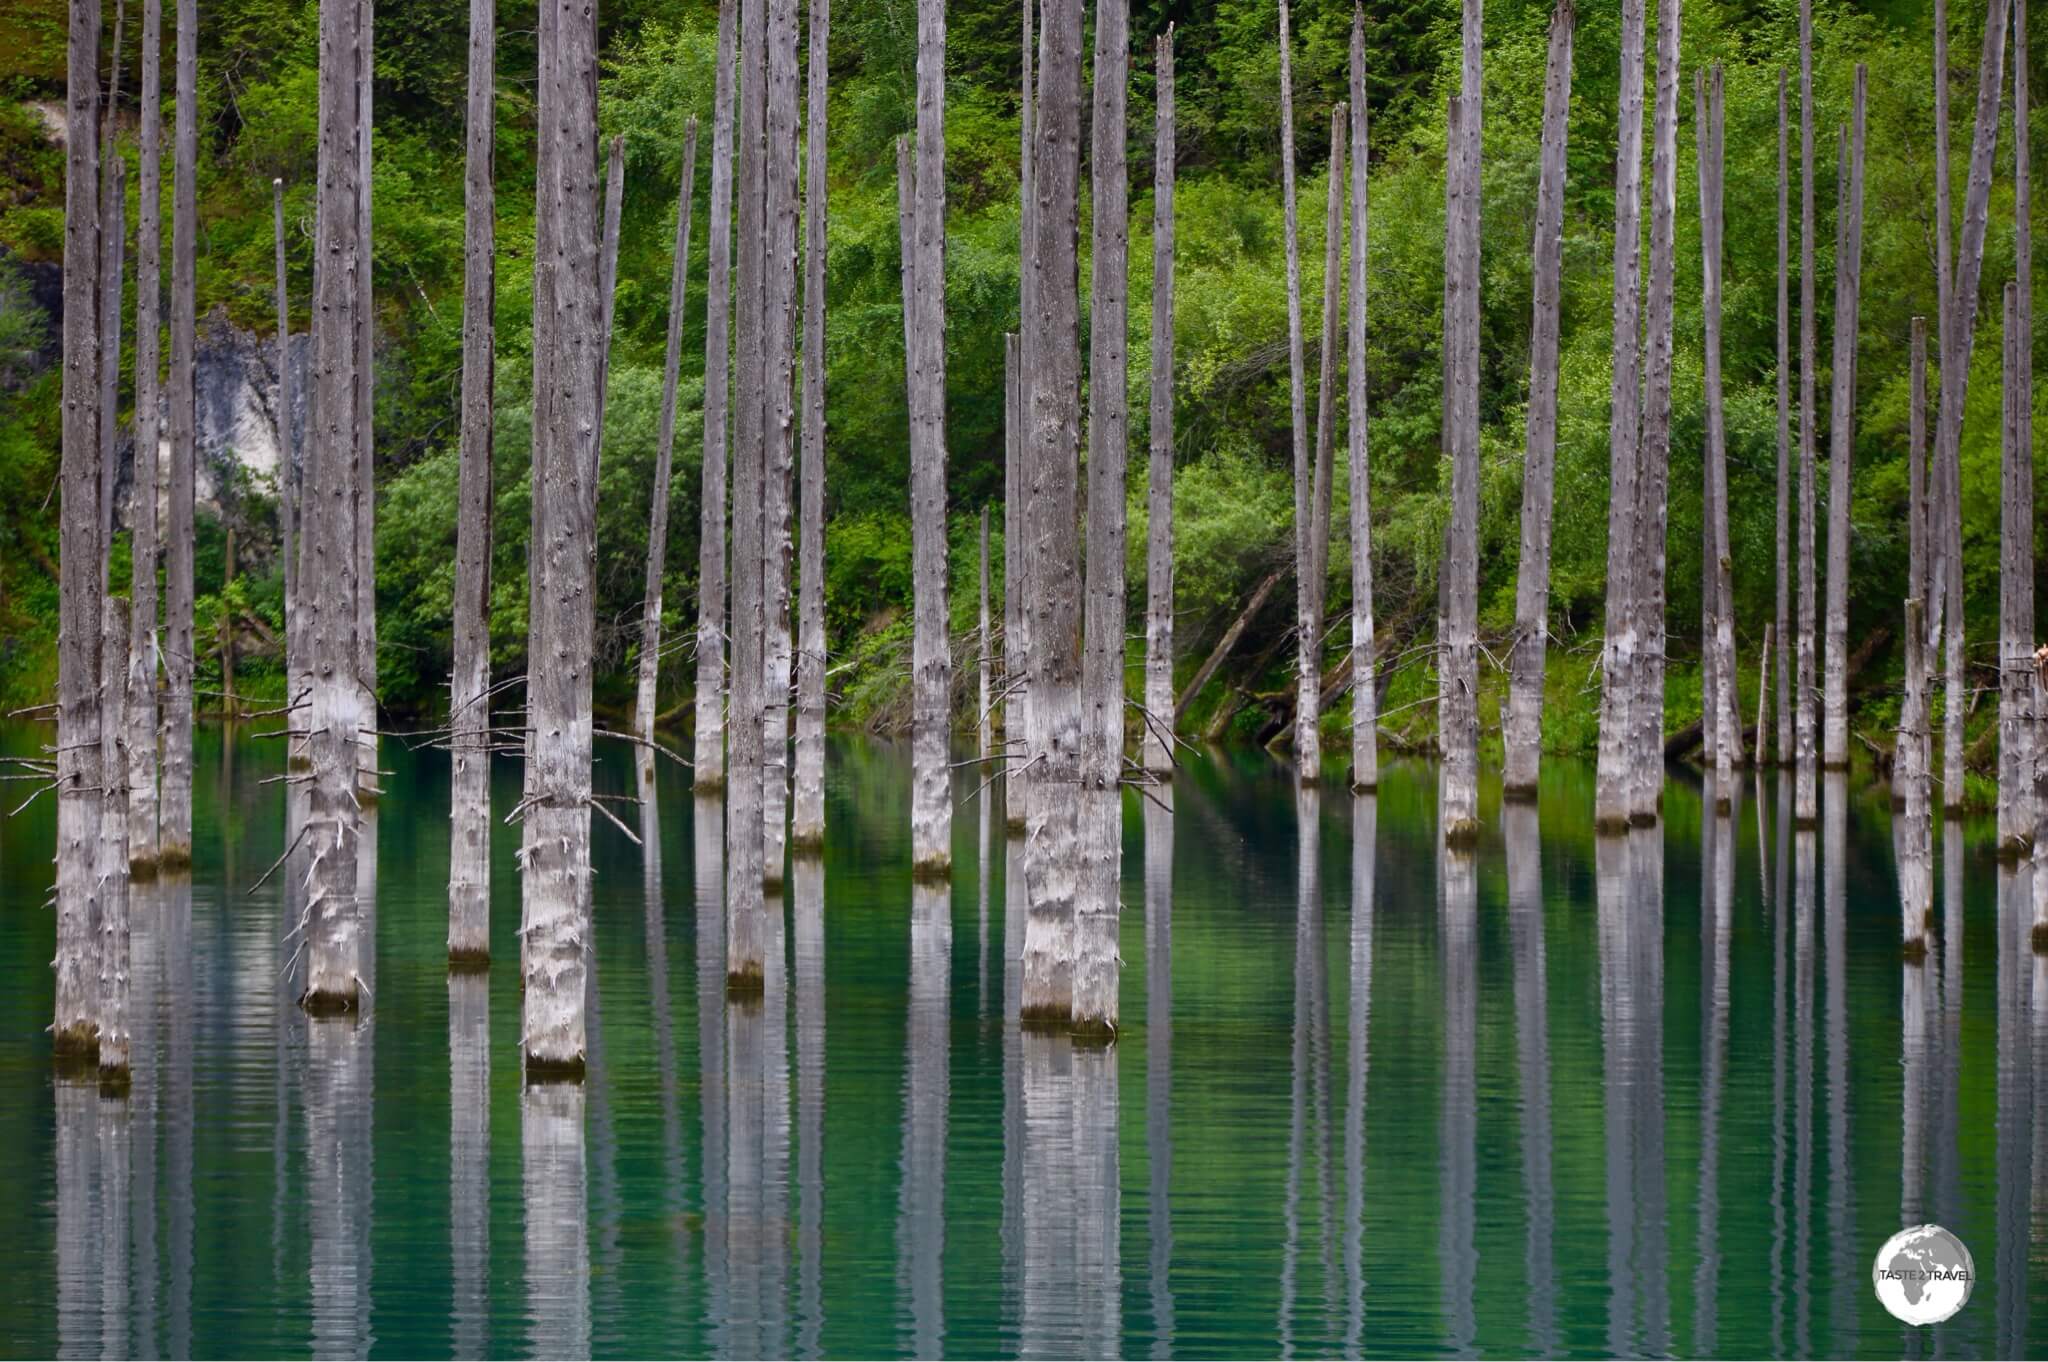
x,y
1664,1094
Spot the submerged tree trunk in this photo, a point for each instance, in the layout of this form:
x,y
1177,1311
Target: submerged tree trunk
x,y
288,454
1016,686
711,576
1620,643
1365,761
984,733
79,764
1805,795
1782,620
778,425
1096,966
1910,774
1158,744
931,797
1020,729
1053,426
112,228
174,817
1326,420
142,592
1720,713
1458,651
807,823
644,705
366,406
1307,624
1522,723
2019,692
332,925
112,870
469,858
1842,435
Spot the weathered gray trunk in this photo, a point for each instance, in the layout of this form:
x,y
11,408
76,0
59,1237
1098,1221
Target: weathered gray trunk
x,y
1020,730
1647,767
807,821
1307,624
112,870
1016,684
1782,620
1910,774
1365,761
1841,438
608,282
1522,721
288,459
174,816
1719,713
469,1159
544,394
366,406
778,425
1158,750
142,592
327,727
2019,695
931,798
1919,487
1805,759
113,209
1620,642
644,702
1096,966
984,729
1053,428
74,1033
1325,447
1458,631
555,851
469,857
711,576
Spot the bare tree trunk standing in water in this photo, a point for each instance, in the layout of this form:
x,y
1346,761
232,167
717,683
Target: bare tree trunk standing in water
x,y
174,817
807,822
711,578
778,426
1329,344
984,734
2019,671
1307,630
366,442
1842,436
1096,967
1020,730
142,593
644,702
469,868
931,796
75,1031
1458,630
288,455
1783,619
112,871
1052,372
1158,745
113,230
1365,759
555,851
326,727
1621,643
1522,723
1720,715
1805,794
2016,606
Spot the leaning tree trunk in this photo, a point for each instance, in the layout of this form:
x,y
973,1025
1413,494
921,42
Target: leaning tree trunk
x,y
2017,668
1841,439
142,536
1096,966
1647,767
1718,715
1782,620
1326,409
1458,659
1158,745
1620,642
1020,732
931,798
555,855
1053,427
469,861
1365,760
174,818
1308,626
326,727
1522,723
1805,806
778,424
711,578
644,705
112,870
807,822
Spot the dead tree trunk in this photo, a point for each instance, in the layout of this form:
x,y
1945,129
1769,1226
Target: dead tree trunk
x,y
1096,966
983,729
931,797
1918,487
807,823
1782,620
1916,828
174,816
327,726
1016,727
644,704
366,406
2018,669
1805,795
1458,657
112,870
1307,624
113,210
1326,434
142,592
1722,724
1365,760
1052,843
778,424
711,577
1158,750
469,860
75,1033
2016,607
1522,723
1620,643
288,454
1021,737
1842,436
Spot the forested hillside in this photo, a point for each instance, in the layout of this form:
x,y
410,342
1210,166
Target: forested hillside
x,y
1234,498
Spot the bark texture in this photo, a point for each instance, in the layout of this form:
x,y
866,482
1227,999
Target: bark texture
x,y
1722,723
1458,632
174,815
469,859
2018,691
1841,440
1365,760
142,591
366,407
778,424
1782,620
1307,623
1158,750
1522,723
1021,736
807,821
1016,685
288,474
984,731
1805,793
112,870
711,574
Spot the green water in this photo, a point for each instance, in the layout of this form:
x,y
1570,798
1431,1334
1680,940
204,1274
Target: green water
x,y
1663,1094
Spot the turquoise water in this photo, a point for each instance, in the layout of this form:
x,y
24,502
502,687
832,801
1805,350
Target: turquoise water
x,y
1660,1094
